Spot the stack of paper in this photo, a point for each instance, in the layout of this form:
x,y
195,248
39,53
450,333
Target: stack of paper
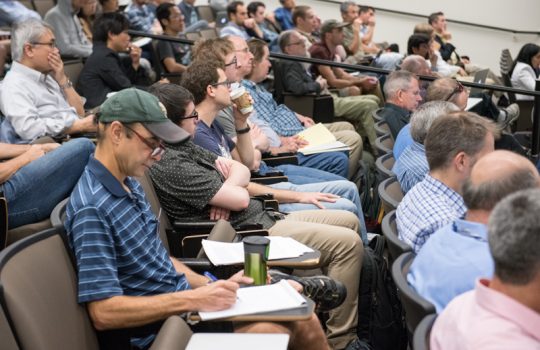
x,y
238,341
253,300
320,140
221,253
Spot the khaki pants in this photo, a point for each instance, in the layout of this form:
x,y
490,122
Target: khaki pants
x,y
358,110
335,234
345,132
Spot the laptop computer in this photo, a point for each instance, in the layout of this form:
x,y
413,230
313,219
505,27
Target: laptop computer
x,y
479,78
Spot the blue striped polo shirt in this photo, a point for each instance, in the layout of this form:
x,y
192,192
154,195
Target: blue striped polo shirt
x,y
114,235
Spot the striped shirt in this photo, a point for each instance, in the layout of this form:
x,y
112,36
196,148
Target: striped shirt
x,y
427,207
282,119
114,236
411,167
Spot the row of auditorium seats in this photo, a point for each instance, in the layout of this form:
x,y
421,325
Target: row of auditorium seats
x,y
419,313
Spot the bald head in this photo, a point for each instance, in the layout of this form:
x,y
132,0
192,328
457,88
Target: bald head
x,y
495,176
416,64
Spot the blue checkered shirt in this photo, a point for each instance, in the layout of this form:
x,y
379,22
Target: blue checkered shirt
x,y
114,236
282,120
427,207
411,167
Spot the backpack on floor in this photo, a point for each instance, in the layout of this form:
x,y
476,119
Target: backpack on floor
x,y
381,322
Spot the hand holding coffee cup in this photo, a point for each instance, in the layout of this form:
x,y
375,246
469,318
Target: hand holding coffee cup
x,y
242,99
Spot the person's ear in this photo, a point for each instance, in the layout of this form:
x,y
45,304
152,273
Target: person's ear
x,y
210,91
116,132
28,50
461,162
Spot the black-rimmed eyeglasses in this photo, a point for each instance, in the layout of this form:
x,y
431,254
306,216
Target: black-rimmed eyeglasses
x,y
234,61
193,115
51,44
227,83
457,90
157,150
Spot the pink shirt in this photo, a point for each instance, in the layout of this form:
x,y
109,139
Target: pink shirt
x,y
486,319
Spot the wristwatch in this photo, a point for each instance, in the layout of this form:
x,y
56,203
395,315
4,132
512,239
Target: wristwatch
x,y
243,131
67,85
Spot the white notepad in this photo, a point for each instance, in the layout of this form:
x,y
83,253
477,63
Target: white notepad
x,y
253,300
222,253
238,341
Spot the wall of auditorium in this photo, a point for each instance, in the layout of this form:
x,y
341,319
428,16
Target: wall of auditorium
x,y
482,45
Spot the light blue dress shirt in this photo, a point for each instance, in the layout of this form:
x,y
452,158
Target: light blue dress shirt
x,y
450,262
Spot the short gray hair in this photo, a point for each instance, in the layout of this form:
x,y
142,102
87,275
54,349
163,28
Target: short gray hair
x,y
514,237
398,80
285,38
425,115
344,7
28,31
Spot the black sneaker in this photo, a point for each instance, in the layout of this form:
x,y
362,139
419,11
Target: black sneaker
x,y
324,291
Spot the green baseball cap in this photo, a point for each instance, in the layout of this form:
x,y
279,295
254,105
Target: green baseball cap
x,y
138,106
332,24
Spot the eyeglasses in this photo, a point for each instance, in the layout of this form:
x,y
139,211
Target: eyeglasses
x,y
157,150
234,61
457,90
244,50
301,42
193,115
227,83
51,44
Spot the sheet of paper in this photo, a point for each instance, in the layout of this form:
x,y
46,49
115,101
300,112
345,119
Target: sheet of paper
x,y
238,341
141,41
221,253
471,102
328,147
253,300
317,135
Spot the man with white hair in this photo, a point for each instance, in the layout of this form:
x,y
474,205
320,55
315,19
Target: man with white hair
x,y
402,92
412,166
37,98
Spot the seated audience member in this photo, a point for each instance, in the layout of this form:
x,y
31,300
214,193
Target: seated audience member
x,y
453,144
194,184
412,166
283,14
442,36
35,178
457,254
86,16
502,312
352,43
422,45
524,71
202,75
402,93
296,79
191,17
367,30
446,89
70,38
37,98
287,124
331,38
256,11
108,6
305,22
108,205
174,56
105,71
239,24
141,17
266,110
12,11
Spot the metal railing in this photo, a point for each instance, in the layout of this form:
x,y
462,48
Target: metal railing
x,y
411,14
535,142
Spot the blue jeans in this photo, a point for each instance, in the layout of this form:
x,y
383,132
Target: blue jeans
x,y
332,162
301,175
35,189
349,201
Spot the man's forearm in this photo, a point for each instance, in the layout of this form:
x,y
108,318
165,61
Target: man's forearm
x,y
282,196
239,175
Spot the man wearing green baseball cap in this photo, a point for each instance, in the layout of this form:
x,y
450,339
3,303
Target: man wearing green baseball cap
x,y
126,277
